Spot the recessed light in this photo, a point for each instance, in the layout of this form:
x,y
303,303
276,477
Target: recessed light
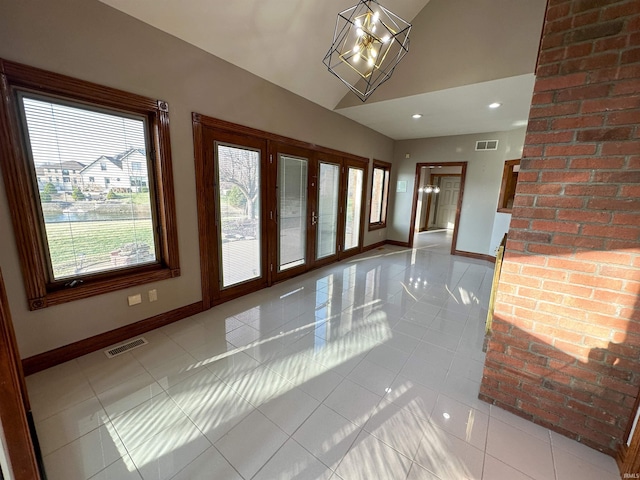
x,y
416,115
495,105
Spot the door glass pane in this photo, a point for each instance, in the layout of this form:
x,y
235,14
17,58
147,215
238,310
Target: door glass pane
x,y
239,200
327,229
354,204
292,211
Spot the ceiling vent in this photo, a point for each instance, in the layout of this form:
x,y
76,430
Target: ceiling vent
x,y
486,145
125,347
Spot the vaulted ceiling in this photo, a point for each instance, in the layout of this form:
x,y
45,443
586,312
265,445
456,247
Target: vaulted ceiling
x,y
464,55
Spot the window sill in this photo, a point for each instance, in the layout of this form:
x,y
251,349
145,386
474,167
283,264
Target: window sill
x,y
377,226
98,287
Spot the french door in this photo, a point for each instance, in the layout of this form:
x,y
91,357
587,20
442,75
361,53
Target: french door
x,y
269,210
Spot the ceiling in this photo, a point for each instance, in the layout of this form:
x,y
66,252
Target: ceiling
x,y
463,56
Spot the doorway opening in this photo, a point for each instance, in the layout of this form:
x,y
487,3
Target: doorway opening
x,y
437,202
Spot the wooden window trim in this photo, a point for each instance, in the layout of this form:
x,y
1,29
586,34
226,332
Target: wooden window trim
x,y
386,166
507,185
22,198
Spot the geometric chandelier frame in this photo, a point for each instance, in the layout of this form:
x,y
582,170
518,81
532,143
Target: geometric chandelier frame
x,y
368,43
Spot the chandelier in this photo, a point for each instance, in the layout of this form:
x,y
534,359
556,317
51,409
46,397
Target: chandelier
x,y
429,189
368,43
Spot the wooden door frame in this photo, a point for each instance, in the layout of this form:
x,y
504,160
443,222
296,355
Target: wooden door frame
x,y
14,402
436,175
346,164
414,207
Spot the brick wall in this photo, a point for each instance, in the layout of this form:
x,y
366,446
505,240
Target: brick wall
x,y
565,348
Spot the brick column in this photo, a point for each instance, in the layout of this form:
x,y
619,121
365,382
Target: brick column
x,y
565,347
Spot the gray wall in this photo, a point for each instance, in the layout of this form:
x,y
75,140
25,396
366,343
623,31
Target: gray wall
x,y
91,41
482,186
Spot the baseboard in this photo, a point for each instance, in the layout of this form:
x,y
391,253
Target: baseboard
x,y
373,246
60,355
397,243
478,256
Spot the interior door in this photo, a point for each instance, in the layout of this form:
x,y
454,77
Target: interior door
x,y
447,202
326,210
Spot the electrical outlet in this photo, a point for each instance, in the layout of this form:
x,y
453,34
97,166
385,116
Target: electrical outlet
x,y
134,299
153,295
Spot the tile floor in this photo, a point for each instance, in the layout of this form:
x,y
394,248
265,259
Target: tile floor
x,y
366,369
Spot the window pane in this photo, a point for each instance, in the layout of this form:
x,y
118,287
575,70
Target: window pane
x,y
95,218
292,211
327,232
376,195
239,200
354,203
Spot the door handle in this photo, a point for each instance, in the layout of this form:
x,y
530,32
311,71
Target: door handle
x,y
314,218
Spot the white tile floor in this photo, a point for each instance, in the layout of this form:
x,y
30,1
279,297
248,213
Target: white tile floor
x,y
366,369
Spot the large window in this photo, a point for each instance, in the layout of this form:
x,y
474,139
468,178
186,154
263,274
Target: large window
x,y
379,194
110,222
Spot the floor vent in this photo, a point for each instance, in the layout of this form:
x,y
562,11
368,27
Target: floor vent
x,y
125,347
486,145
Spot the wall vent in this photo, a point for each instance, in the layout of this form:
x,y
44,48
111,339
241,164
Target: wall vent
x,y
125,347
487,145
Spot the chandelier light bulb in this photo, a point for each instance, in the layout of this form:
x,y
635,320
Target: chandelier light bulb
x,y
436,190
371,62
376,17
360,32
428,189
385,39
356,49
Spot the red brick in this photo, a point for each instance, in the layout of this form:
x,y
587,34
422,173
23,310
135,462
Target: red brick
x,y
615,258
621,148
543,98
529,176
591,190
604,134
618,73
626,87
514,300
541,125
513,245
590,305
558,110
616,298
593,32
569,150
622,176
580,242
584,216
616,204
608,104
574,265
531,151
548,249
545,273
558,11
547,70
620,272
577,122
527,236
539,189
520,223
529,212
595,281
567,288
552,55
624,9
618,386
559,83
571,176
630,190
563,311
578,51
624,118
551,226
523,200
556,332
543,164
626,219
560,202
575,351
597,163
549,137
630,56
617,232
611,43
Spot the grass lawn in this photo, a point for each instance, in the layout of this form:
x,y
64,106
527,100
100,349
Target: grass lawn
x,y
86,246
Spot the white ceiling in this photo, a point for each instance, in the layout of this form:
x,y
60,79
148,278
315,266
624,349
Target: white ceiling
x,y
284,42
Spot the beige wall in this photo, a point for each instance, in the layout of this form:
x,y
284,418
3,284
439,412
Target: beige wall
x,y
91,41
482,185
